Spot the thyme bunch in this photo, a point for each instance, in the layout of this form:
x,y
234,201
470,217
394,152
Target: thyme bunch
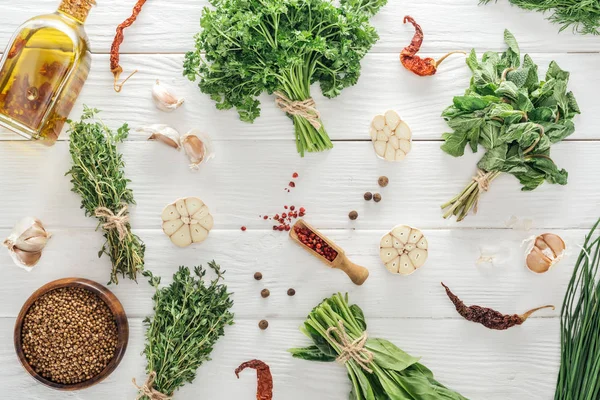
x,y
98,177
189,317
583,16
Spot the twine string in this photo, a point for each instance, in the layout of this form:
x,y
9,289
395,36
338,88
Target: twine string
x,y
118,221
351,350
148,390
302,108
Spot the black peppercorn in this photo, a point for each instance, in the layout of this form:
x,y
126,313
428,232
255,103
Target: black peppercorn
x,y
291,292
353,215
383,181
368,196
265,293
264,324
258,276
377,197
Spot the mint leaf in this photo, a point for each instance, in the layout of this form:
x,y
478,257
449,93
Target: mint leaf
x,y
455,143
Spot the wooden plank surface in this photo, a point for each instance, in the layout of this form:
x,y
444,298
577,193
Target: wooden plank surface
x,y
253,165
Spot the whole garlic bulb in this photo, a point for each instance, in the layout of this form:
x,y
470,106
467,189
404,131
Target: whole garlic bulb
x,y
198,148
164,98
26,242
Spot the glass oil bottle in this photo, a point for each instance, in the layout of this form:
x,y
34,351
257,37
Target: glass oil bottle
x,y
43,70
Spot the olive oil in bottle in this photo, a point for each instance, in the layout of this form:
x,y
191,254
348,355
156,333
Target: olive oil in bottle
x,y
43,71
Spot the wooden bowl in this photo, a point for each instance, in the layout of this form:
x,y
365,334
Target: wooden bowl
x,y
113,304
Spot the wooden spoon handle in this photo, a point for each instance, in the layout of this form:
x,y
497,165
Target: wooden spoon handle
x,y
355,272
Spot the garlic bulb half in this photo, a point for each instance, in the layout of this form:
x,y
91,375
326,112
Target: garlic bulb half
x,y
162,133
164,98
26,242
187,221
198,148
391,136
403,250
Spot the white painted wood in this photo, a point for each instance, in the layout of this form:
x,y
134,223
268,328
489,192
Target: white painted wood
x,y
383,84
518,364
254,163
167,26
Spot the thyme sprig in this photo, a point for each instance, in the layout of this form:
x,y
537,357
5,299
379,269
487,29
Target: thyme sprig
x,y
189,317
583,16
98,177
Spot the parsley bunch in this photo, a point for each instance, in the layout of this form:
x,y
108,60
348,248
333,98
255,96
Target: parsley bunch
x,y
582,15
255,46
515,117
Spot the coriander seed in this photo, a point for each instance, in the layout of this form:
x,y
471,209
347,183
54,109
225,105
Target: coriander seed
x,y
265,293
258,276
368,196
264,324
291,292
376,197
383,181
353,215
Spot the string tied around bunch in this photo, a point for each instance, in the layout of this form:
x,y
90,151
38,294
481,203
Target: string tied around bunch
x,y
117,221
483,180
302,108
147,389
351,350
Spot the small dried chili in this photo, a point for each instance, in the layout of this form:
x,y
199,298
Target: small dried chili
x,y
488,317
414,63
115,68
264,389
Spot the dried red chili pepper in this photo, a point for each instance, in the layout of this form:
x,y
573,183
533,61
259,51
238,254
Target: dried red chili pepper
x,y
264,389
17,47
488,317
115,68
414,63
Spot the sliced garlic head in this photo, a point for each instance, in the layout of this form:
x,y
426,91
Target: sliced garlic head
x,y
391,136
547,250
403,250
187,221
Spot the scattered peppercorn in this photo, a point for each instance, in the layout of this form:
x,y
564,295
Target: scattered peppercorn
x,y
368,196
292,184
353,215
265,293
263,324
383,181
376,197
315,243
243,228
257,276
295,175
291,292
69,335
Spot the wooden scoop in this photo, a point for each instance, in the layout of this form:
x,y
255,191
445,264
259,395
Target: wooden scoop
x,y
357,274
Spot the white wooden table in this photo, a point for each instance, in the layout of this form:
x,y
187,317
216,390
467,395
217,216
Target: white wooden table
x,y
253,164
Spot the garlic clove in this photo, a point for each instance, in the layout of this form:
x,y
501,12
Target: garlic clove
x,y
387,131
378,122
29,259
397,243
193,205
170,213
394,143
199,234
418,257
404,145
414,236
373,133
393,265
32,243
203,212
409,247
401,233
547,250
198,148
182,237
164,98
422,243
381,136
387,254
392,119
162,133
386,241
555,243
403,131
537,262
206,222
406,267
170,227
390,153
26,242
400,155
380,148
181,208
